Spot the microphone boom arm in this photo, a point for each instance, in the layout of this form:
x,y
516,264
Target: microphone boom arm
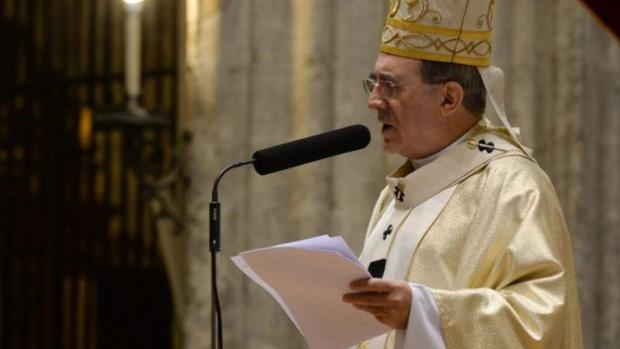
x,y
214,207
214,247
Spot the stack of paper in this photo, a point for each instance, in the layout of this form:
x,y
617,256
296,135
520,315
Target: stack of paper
x,y
308,279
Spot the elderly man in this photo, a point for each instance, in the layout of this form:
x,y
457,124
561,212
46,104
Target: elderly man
x,y
467,243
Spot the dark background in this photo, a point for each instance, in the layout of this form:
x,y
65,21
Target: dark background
x,y
79,261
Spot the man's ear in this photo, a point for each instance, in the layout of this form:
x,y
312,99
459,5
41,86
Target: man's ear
x,y
452,94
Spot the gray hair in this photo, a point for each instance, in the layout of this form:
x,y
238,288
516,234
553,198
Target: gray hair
x,y
467,76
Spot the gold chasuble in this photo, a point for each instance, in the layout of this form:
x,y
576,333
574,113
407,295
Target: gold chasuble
x,y
497,257
480,227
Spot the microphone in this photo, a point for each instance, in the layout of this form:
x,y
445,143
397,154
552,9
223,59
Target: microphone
x,y
309,149
268,160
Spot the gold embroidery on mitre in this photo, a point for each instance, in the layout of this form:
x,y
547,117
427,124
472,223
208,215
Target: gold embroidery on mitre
x,y
487,18
417,10
394,5
453,45
425,29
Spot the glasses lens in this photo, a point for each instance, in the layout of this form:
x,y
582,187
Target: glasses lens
x,y
369,85
387,88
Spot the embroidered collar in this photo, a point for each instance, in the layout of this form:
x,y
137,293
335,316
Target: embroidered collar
x,y
471,151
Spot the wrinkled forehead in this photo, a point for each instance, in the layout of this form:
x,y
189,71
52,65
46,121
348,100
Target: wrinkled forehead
x,y
390,67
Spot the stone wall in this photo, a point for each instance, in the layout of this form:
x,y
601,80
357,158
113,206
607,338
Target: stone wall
x,y
262,72
563,78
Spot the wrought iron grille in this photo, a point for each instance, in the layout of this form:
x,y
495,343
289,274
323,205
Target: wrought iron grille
x,y
79,263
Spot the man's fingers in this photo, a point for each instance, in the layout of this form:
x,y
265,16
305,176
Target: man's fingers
x,y
365,298
389,301
382,315
376,285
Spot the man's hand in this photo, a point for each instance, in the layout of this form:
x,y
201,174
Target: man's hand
x,y
388,300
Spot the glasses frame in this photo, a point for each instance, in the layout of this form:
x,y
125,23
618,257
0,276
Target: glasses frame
x,y
388,89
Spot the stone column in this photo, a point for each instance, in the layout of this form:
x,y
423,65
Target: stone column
x,y
202,46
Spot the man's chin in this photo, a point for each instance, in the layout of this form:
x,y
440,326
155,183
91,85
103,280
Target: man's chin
x,y
389,147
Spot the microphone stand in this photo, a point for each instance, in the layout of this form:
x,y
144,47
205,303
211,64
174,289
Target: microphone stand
x,y
214,247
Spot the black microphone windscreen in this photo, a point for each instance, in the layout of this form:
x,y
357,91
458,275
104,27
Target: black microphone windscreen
x,y
313,148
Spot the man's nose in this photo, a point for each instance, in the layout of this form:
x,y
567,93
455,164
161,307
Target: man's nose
x,y
375,101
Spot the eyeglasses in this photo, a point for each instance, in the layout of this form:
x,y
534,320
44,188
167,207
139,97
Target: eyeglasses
x,y
387,89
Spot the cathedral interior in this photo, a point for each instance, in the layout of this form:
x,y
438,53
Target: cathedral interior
x,y
105,176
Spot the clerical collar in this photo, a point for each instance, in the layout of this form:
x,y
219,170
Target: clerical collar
x,y
417,163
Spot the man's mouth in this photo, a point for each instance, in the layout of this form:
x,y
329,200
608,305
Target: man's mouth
x,y
386,127
384,120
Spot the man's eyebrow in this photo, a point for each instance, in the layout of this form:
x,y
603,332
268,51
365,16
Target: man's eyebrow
x,y
382,77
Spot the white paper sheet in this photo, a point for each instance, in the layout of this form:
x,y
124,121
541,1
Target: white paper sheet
x,y
308,279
